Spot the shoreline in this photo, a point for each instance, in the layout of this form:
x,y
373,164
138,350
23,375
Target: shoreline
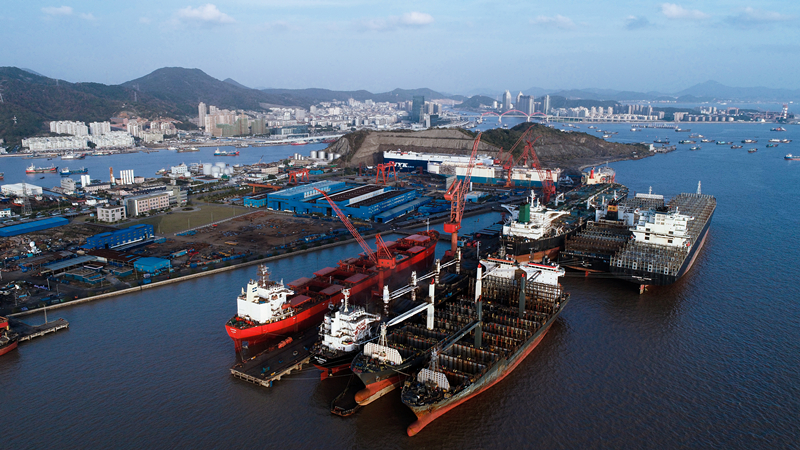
x,y
225,269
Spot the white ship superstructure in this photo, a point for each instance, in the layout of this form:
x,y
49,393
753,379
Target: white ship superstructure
x,y
264,301
488,173
663,227
347,328
544,273
411,160
535,222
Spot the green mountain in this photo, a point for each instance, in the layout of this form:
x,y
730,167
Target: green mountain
x,y
29,100
185,88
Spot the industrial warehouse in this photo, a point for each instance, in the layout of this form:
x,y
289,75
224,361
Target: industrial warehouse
x,y
366,202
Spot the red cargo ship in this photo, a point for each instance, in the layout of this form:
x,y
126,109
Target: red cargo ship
x,y
267,309
8,339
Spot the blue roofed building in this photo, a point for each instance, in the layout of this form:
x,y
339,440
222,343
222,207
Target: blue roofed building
x,y
359,201
29,227
125,236
151,265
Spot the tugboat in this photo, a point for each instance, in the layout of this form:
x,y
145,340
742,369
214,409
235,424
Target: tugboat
x,y
791,157
343,333
772,145
752,150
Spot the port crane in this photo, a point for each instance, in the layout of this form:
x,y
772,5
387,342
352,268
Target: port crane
x,y
545,175
303,174
382,258
456,194
384,170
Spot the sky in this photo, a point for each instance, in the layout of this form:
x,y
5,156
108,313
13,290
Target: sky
x,y
457,47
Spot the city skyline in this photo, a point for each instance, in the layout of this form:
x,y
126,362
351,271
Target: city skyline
x,y
452,47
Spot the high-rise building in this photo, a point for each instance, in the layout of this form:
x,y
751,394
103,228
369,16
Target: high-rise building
x,y
99,128
546,104
126,176
506,101
201,109
417,109
525,104
516,100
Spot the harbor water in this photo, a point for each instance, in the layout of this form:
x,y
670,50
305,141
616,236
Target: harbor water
x,y
709,362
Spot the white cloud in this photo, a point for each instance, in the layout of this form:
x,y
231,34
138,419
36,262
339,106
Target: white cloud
x,y
557,21
636,23
416,19
206,14
87,16
754,17
675,11
57,10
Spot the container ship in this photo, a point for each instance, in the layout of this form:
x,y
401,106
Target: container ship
x,y
34,169
65,172
534,231
403,347
219,152
591,249
514,306
666,240
8,339
267,309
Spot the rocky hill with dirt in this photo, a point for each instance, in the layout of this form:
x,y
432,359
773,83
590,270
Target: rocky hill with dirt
x,y
555,148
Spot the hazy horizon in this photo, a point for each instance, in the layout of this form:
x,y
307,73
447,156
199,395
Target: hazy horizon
x,y
452,47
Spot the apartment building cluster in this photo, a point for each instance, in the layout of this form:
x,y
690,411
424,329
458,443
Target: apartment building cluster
x,y
150,131
79,136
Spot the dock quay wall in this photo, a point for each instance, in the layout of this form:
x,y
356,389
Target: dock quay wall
x,y
213,271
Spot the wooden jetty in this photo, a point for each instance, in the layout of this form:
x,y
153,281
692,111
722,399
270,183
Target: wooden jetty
x,y
27,332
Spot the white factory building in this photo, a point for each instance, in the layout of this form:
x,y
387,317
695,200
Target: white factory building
x,y
19,189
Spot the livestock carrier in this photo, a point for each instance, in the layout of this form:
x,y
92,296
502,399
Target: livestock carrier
x,y
666,241
267,309
513,307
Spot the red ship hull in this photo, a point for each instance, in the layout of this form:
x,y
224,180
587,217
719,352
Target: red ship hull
x,y
313,314
8,348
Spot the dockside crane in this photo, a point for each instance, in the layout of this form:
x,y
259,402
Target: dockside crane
x,y
545,175
456,194
382,258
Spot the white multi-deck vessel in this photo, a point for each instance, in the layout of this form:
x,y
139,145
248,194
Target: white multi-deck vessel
x,y
411,160
534,231
343,333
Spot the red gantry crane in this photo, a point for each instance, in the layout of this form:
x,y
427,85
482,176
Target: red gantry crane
x,y
545,175
383,258
455,195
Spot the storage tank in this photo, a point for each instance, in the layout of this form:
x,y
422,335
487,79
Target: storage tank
x,y
313,154
215,171
220,164
228,171
321,154
207,168
338,155
331,156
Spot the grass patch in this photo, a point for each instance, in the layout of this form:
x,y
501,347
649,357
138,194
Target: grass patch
x,y
177,222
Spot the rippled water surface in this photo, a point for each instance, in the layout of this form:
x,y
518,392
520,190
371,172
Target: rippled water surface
x,y
709,362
